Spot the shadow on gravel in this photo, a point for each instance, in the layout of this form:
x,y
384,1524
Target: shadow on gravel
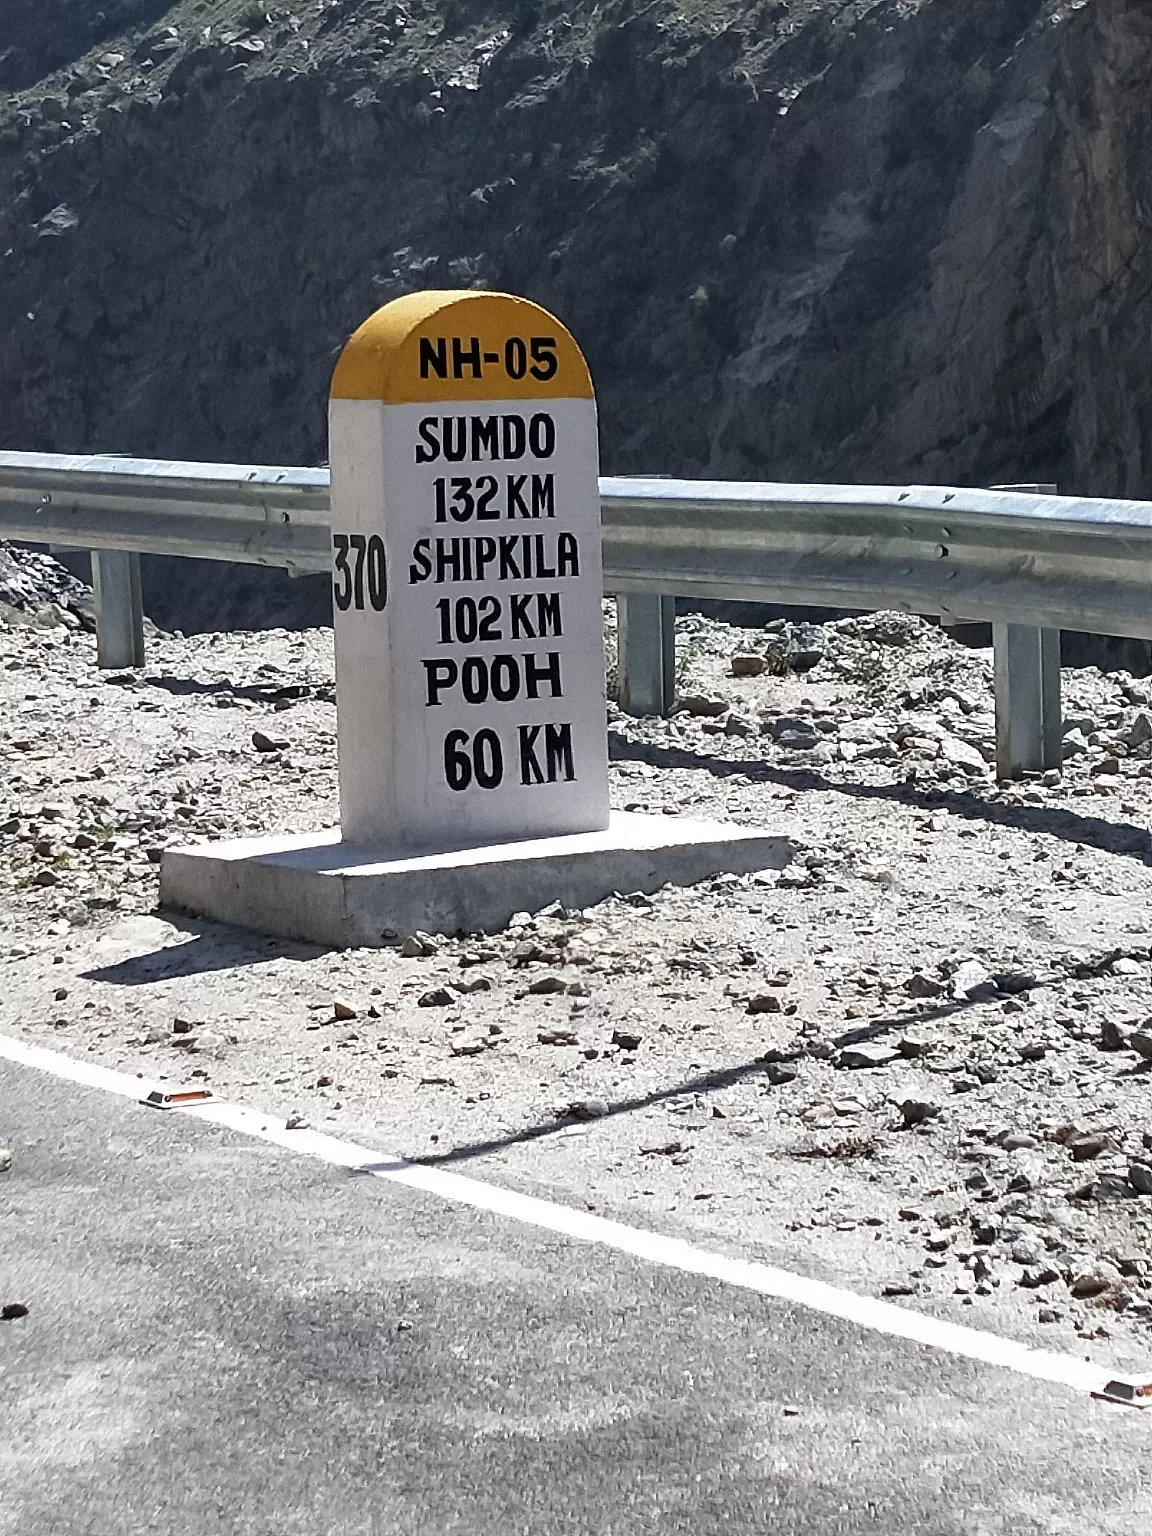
x,y
1120,837
210,947
257,693
705,1083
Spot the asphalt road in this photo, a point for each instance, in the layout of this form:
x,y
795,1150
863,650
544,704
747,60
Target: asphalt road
x,y
223,1337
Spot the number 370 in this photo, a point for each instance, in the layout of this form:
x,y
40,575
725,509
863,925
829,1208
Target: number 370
x,y
358,556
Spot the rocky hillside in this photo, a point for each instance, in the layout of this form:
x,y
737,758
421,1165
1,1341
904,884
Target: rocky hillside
x,y
879,239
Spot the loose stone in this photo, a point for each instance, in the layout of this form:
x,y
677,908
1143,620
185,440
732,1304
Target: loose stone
x,y
868,1054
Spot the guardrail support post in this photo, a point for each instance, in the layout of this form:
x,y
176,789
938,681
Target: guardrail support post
x,y
646,638
119,608
1029,728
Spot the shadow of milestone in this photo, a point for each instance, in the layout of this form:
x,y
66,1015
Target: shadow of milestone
x,y
704,1083
256,693
1119,837
209,947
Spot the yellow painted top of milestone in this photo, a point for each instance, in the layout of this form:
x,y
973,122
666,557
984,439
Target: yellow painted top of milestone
x,y
461,345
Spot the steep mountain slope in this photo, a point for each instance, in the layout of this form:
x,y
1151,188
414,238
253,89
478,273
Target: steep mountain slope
x,y
882,239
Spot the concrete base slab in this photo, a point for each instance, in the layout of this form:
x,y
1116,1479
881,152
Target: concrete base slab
x,y
314,886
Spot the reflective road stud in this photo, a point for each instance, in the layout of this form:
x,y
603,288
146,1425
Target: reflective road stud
x,y
466,577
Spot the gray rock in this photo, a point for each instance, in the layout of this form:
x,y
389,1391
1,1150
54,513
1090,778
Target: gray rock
x,y
627,1039
699,704
5,1159
781,725
921,985
418,946
1141,1043
265,743
1012,983
1028,1251
1140,1178
764,1002
866,1054
438,997
1112,1037
780,1072
739,725
588,1109
470,1045
546,984
557,1036
866,732
918,1111
1019,1141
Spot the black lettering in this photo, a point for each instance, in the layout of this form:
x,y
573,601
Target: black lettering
x,y
567,555
455,446
544,364
439,675
512,437
521,623
558,752
474,680
487,487
543,496
515,358
505,678
509,570
485,554
548,614
421,567
457,766
489,619
342,589
542,436
462,359
428,450
447,557
434,356
463,505
535,674
487,759
543,569
485,435
530,769
516,502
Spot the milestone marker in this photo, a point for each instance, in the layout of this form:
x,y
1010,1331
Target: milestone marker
x,y
466,593
466,577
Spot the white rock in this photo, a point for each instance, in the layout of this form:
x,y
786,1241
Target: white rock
x,y
962,754
970,978
1075,743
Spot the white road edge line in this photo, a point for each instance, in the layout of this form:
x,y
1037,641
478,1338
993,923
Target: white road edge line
x,y
673,1253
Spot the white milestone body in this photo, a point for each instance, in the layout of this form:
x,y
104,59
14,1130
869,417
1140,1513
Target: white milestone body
x,y
467,608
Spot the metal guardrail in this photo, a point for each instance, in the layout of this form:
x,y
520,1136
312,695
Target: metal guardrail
x,y
1029,561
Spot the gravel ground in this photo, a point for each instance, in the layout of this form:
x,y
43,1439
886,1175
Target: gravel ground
x,y
912,1062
